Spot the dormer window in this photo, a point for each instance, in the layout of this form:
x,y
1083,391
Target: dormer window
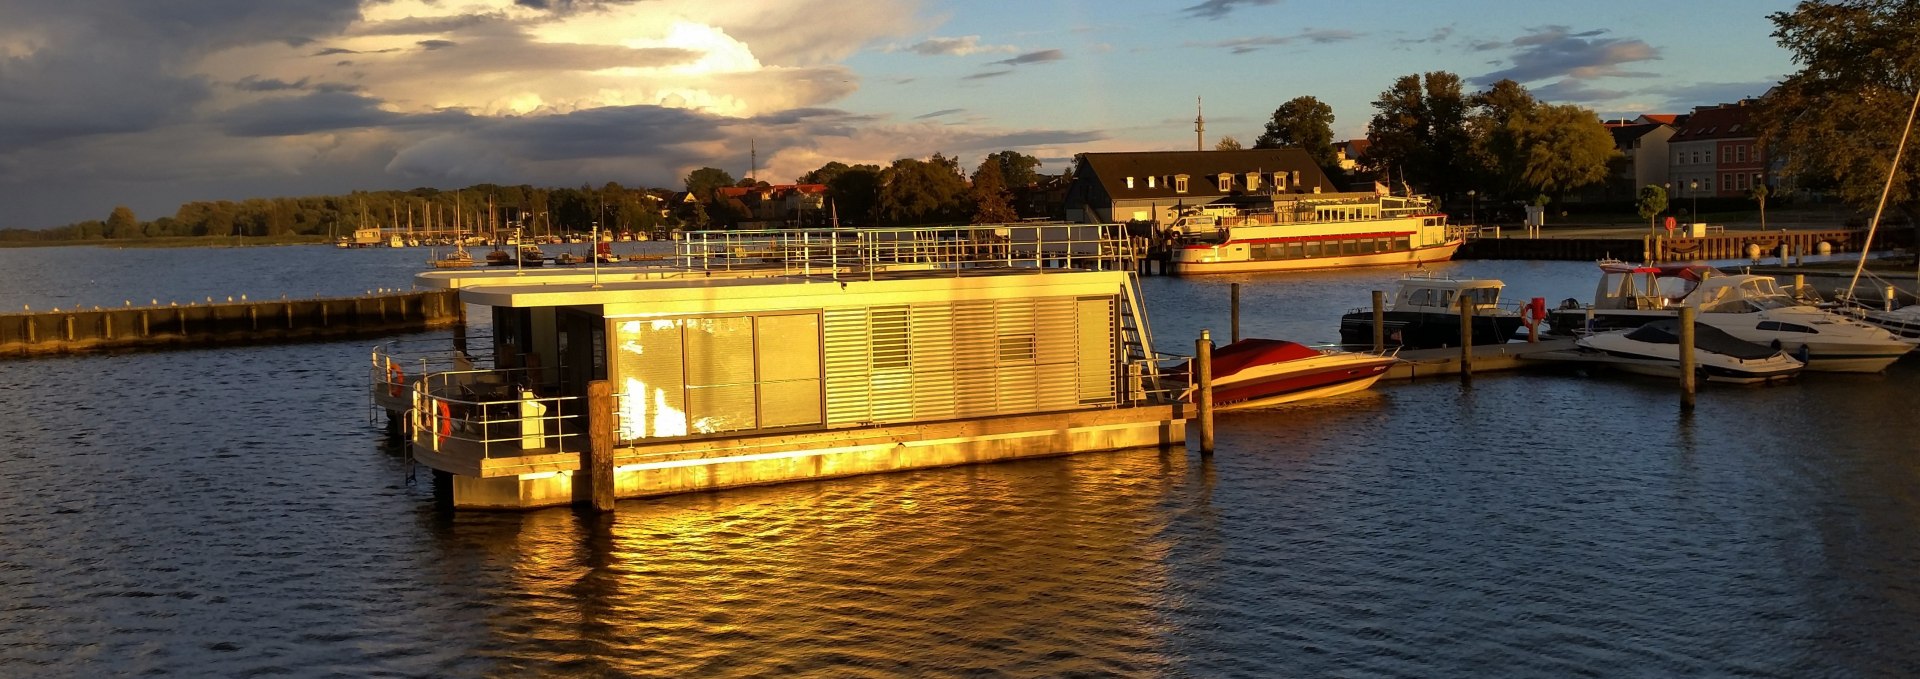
x,y
1180,183
1129,182
1253,181
1150,181
1226,182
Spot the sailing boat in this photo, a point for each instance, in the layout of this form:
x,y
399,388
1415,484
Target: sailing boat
x,y
1904,321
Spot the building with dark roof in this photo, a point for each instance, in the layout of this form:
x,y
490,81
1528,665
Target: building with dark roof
x,y
1154,185
1643,143
1716,152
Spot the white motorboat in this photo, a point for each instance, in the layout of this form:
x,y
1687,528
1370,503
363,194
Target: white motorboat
x,y
1424,313
1654,349
1746,306
1255,373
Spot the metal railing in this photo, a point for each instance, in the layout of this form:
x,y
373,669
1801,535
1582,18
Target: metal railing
x,y
399,364
491,413
866,252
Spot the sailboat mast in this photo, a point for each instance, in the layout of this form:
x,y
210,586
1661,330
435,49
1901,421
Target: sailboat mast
x,y
1892,169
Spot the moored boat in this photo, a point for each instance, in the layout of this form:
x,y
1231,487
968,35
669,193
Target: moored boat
x,y
1747,306
1256,373
1654,349
1314,231
1424,313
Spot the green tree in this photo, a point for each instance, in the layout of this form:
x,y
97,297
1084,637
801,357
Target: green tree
x,y
991,203
1497,159
1227,144
1016,169
703,181
1565,147
1838,119
853,192
1303,122
121,223
1759,195
1653,201
922,192
824,174
1418,133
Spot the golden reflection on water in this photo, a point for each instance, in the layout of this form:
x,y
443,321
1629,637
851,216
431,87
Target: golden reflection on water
x,y
1045,567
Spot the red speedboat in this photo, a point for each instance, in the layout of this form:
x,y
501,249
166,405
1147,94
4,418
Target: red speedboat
x,y
1255,373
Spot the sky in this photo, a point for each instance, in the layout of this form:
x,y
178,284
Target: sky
x,y
152,104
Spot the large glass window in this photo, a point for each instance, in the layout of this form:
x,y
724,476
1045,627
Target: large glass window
x,y
708,375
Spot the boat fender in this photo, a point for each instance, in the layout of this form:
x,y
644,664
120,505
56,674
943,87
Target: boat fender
x,y
396,379
445,426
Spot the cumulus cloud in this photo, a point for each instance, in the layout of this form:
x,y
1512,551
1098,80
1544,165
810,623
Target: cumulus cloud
x,y
1219,9
1557,52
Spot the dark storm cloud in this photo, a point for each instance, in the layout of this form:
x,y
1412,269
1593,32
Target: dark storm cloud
x,y
608,132
1557,52
1219,9
1039,57
427,25
134,58
316,112
258,84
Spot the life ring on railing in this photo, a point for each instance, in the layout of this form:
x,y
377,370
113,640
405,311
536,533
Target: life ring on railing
x,y
444,428
396,379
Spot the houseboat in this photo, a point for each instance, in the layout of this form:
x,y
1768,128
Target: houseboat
x,y
1313,231
825,354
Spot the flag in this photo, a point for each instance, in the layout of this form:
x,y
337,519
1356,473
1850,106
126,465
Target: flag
x,y
1381,189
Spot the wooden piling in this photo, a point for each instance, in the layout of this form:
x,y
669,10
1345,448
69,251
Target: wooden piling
x,y
1379,320
600,443
1203,394
1687,314
146,324
1235,304
1466,337
69,328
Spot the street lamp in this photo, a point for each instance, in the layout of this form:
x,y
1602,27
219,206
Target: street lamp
x,y
1473,211
1693,189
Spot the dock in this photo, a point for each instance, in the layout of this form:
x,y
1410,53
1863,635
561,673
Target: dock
x,y
72,331
1662,246
1418,363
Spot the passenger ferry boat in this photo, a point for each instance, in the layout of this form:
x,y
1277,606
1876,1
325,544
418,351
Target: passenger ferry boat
x,y
817,354
1314,231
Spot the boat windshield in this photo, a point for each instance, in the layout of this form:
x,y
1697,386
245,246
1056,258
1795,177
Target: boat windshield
x,y
1753,294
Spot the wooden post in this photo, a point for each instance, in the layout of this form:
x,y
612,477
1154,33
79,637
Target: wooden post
x,y
1236,311
180,314
106,325
253,315
323,313
28,321
146,323
600,443
1799,283
1466,337
1687,315
1379,321
69,328
289,315
1203,395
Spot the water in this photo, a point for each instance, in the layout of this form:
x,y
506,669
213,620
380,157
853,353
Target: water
x,y
232,513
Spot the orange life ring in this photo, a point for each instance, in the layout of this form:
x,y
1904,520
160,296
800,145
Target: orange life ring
x,y
1530,316
396,380
445,428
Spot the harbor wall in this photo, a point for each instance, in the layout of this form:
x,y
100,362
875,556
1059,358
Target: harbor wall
x,y
225,323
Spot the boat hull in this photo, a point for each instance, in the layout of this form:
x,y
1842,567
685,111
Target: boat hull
x,y
1820,353
1326,374
1436,253
1423,330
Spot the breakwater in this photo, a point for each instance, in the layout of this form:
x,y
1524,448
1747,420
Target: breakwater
x,y
37,333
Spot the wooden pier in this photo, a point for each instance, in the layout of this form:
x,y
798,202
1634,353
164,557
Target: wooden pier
x,y
1420,363
1662,247
72,331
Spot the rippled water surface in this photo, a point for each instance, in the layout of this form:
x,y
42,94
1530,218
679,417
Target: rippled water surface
x,y
233,513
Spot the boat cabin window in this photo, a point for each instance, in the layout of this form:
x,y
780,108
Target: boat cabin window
x,y
1785,327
